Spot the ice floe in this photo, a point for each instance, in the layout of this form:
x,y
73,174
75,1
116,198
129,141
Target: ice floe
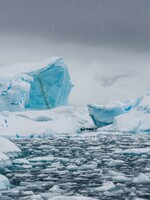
x,y
7,149
4,182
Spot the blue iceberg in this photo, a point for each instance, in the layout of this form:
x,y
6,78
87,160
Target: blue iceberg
x,y
128,117
103,115
35,86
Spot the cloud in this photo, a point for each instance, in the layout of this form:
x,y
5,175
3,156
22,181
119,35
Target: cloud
x,y
103,39
97,22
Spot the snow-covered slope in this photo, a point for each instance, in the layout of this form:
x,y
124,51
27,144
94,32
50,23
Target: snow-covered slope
x,y
35,86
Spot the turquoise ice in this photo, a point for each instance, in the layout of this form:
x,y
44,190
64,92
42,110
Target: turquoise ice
x,y
43,85
103,115
50,87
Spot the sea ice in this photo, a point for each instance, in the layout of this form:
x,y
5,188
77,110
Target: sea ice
x,y
21,161
113,163
137,151
142,178
107,186
42,159
121,179
70,198
7,149
4,182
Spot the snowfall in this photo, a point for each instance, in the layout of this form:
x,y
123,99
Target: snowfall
x,y
52,150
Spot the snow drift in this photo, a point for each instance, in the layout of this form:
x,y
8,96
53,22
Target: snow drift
x,y
35,86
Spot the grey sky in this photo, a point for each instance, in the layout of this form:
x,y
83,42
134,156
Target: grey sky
x,y
88,22
97,38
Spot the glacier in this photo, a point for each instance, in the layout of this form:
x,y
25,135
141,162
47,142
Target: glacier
x,y
36,86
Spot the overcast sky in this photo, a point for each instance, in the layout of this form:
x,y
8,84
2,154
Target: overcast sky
x,y
123,24
87,22
87,33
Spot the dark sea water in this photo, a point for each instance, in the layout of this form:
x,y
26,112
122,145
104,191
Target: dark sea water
x,y
91,165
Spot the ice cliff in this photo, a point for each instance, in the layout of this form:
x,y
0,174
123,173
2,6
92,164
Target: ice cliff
x,y
34,86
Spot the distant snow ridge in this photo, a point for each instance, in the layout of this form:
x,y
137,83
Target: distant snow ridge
x,y
132,116
35,86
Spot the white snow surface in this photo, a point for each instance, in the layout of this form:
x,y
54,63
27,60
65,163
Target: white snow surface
x,y
65,119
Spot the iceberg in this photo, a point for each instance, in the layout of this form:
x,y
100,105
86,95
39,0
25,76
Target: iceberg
x,y
36,86
103,115
134,120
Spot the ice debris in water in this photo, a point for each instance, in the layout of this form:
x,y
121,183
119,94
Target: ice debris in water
x,y
64,197
106,186
73,166
142,178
